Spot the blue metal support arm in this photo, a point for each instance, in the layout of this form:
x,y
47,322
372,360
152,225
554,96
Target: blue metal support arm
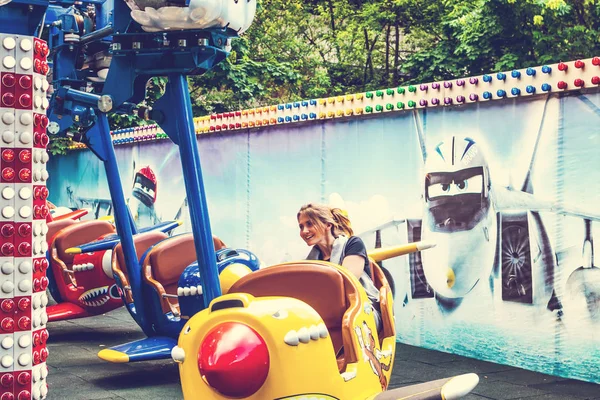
x,y
178,123
99,140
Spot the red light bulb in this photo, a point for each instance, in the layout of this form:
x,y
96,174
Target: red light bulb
x,y
8,305
24,248
24,378
8,155
8,80
7,324
24,231
579,64
7,230
7,249
7,380
24,323
25,100
25,174
562,66
596,61
8,99
579,82
562,85
595,80
24,303
25,81
25,156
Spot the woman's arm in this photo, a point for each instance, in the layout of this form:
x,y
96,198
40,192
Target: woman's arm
x,y
355,264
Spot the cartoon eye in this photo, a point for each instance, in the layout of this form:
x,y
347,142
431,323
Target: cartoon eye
x,y
114,292
461,185
187,330
439,189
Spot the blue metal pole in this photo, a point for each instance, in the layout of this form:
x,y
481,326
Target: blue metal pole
x,y
194,188
122,221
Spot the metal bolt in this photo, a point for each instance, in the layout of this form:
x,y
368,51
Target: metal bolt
x,y
136,45
105,103
116,46
203,42
182,42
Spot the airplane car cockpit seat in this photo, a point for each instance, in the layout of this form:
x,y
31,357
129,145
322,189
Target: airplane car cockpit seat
x,y
72,236
331,294
142,243
165,262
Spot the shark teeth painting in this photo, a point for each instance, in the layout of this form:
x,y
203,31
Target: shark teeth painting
x,y
95,297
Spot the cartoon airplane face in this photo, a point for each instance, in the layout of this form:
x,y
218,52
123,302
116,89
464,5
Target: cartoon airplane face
x,y
459,217
144,186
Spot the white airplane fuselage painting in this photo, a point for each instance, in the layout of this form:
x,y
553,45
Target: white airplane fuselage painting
x,y
460,259
459,217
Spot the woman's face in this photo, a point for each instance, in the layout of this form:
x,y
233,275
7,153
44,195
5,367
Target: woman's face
x,y
311,233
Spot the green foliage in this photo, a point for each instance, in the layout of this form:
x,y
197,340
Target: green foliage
x,y
59,145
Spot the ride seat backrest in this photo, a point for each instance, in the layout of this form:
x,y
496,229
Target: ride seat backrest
x,y
55,226
75,235
142,242
379,280
165,263
320,286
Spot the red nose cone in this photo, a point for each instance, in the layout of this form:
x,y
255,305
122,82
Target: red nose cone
x,y
234,360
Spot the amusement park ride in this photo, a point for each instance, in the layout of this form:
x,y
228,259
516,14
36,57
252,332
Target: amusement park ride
x,y
248,343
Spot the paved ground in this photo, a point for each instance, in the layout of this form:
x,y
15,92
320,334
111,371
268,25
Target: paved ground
x,y
77,373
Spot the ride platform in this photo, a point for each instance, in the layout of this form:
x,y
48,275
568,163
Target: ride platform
x,y
76,372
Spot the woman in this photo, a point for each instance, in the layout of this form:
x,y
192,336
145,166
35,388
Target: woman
x,y
329,233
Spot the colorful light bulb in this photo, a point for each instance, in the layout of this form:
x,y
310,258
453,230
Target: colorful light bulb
x,y
530,89
546,87
487,78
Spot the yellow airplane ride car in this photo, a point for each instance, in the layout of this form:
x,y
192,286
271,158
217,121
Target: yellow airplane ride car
x,y
300,330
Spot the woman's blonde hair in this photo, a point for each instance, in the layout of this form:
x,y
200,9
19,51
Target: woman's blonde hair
x,y
321,215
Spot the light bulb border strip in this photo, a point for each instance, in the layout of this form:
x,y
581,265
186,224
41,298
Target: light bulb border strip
x,y
583,74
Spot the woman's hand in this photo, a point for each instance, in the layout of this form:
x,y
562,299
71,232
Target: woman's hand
x,y
355,264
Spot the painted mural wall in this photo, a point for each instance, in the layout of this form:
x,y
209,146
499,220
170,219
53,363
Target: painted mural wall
x,y
509,192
